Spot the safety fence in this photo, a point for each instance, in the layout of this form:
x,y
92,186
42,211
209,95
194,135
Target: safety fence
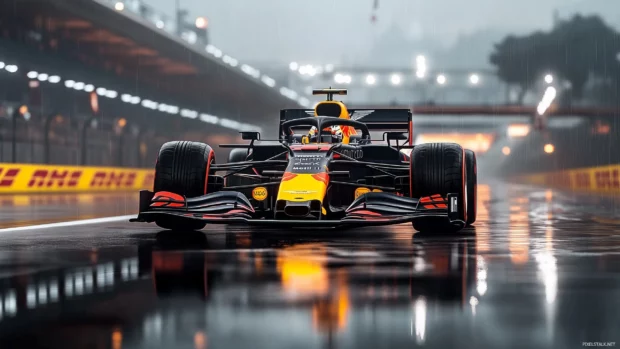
x,y
600,179
27,178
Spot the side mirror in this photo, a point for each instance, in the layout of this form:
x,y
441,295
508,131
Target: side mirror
x,y
250,136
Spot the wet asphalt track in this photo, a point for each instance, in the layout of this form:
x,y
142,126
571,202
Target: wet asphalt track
x,y
542,271
21,210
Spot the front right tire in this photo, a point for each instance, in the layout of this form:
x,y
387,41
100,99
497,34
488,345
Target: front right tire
x,y
472,186
438,168
183,168
239,155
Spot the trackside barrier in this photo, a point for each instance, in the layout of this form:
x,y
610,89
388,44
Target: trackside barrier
x,y
601,179
27,178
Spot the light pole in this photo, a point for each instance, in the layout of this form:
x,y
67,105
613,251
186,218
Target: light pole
x,y
120,127
180,17
92,123
52,117
420,74
21,112
474,81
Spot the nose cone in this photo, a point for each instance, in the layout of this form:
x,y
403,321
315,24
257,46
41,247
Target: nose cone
x,y
306,210
297,209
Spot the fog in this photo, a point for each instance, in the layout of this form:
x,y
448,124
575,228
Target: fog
x,y
280,31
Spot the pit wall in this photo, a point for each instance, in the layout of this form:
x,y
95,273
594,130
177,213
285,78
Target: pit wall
x,y
599,180
30,179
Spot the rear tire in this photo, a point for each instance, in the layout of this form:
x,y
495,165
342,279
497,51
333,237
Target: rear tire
x,y
182,168
438,168
239,155
472,185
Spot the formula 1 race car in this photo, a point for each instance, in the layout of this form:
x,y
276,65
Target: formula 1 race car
x,y
331,175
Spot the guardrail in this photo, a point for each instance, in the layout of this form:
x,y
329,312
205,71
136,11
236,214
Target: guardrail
x,y
600,179
26,178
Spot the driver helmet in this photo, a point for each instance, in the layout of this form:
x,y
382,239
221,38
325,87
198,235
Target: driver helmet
x,y
337,109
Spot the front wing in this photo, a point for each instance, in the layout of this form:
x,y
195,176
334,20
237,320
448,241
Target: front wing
x,y
231,207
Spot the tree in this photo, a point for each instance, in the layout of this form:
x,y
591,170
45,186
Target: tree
x,y
517,61
583,46
574,50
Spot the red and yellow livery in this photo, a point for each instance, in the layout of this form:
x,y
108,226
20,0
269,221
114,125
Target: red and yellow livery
x,y
316,178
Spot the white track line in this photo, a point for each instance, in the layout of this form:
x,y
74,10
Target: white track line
x,y
70,223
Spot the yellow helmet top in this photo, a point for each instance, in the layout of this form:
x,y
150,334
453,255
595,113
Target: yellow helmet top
x,y
330,107
335,109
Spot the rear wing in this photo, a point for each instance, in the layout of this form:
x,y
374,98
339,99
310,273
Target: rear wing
x,y
375,119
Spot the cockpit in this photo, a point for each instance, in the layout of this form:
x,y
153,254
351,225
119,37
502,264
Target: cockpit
x,y
329,108
322,131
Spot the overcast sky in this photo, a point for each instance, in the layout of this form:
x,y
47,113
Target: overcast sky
x,y
325,30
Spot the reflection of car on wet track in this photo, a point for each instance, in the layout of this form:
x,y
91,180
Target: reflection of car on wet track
x,y
306,273
332,175
327,283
